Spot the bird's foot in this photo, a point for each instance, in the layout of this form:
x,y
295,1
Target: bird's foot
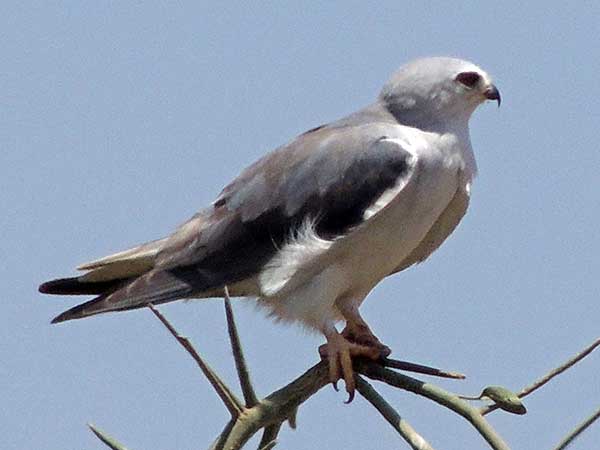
x,y
339,352
362,335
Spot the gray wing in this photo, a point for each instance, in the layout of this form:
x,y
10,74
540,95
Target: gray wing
x,y
328,175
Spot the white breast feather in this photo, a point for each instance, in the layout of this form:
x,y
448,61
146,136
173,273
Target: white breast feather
x,y
302,248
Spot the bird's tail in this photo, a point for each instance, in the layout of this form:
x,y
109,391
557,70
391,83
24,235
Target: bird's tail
x,y
155,286
77,286
103,278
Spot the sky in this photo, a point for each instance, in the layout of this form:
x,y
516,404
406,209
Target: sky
x,y
119,120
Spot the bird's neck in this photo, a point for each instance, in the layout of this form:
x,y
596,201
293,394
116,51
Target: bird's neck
x,y
430,119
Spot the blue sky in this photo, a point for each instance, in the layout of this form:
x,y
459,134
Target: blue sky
x,y
118,120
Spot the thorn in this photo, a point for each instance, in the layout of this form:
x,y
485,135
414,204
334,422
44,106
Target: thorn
x,y
231,402
292,419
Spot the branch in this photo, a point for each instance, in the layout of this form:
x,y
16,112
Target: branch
x,y
269,446
546,378
278,406
238,354
269,437
229,399
270,412
220,440
578,430
438,395
404,429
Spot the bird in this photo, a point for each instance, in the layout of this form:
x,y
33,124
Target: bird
x,y
312,227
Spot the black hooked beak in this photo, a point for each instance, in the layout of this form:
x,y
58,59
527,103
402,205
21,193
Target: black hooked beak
x,y
492,93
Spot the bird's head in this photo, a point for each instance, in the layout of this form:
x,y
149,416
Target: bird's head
x,y
439,89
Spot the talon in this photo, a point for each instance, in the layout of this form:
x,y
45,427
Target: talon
x,y
339,352
350,398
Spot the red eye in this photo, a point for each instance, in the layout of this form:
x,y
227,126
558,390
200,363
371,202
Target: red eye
x,y
469,79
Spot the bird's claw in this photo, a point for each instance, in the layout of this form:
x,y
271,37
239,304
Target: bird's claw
x,y
350,398
339,353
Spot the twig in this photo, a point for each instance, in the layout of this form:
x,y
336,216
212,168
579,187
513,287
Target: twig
x,y
419,368
231,402
270,412
542,381
269,446
578,430
438,395
220,440
269,437
238,355
278,406
110,442
408,433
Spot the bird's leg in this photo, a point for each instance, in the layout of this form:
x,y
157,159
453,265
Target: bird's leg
x,y
358,332
339,352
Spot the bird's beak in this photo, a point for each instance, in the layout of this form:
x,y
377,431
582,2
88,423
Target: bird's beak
x,y
492,93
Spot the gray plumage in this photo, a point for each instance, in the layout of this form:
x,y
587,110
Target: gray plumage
x,y
383,187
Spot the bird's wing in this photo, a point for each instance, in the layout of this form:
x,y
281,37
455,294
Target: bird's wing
x,y
330,177
338,178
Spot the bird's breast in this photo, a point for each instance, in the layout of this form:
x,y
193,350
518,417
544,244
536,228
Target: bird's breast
x,y
375,250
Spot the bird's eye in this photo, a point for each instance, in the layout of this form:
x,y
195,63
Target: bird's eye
x,y
469,79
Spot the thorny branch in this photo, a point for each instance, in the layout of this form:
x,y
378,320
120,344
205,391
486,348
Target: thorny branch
x,y
231,402
268,414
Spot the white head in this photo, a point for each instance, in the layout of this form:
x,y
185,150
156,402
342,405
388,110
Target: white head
x,y
430,91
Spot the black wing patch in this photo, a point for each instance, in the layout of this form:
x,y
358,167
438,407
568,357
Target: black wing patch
x,y
332,187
